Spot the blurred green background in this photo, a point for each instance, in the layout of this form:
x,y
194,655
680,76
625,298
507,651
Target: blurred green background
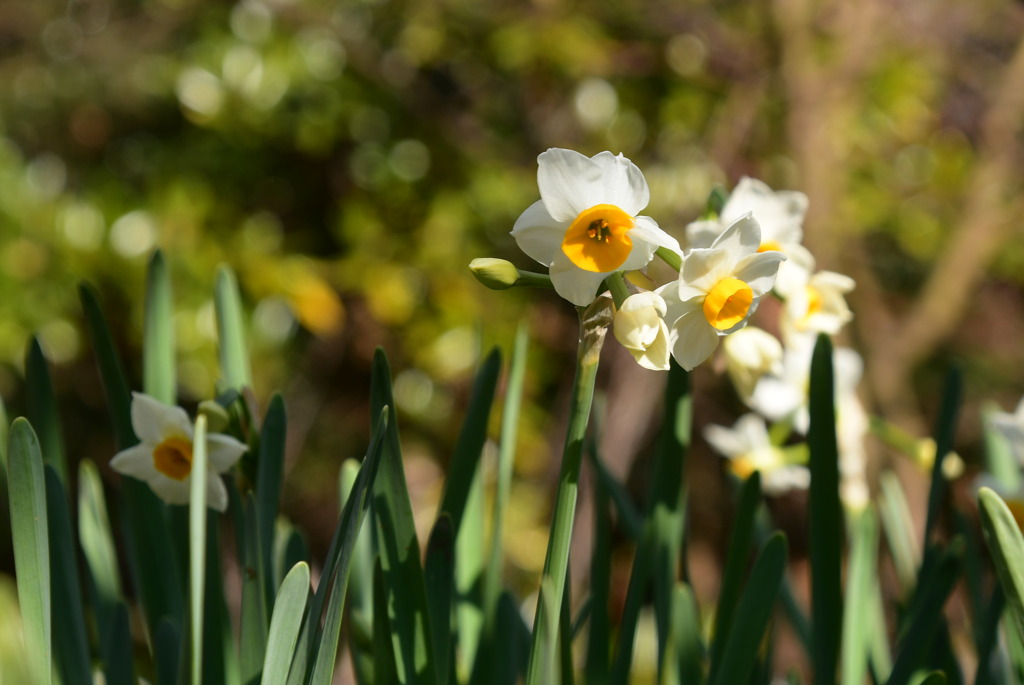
x,y
348,159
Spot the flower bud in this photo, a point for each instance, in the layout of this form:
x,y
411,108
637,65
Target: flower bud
x,y
496,274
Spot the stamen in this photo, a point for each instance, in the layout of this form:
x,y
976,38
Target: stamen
x,y
597,240
173,458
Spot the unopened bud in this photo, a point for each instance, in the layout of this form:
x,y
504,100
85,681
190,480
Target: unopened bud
x,y
496,274
217,418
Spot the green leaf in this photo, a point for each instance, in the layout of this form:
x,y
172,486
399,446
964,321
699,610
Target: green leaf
x,y
97,543
153,564
755,606
937,580
667,505
41,407
167,649
385,672
30,534
598,666
360,586
285,624
70,642
685,655
339,558
471,440
234,354
158,375
197,544
269,474
1005,542
825,517
933,678
736,563
1000,460
118,668
439,575
395,535
987,672
945,428
253,629
899,531
861,591
469,571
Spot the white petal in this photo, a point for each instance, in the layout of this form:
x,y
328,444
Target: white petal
x,y
573,283
775,399
537,234
701,270
781,480
702,233
693,339
656,356
780,213
753,430
154,421
136,462
223,451
170,490
216,493
570,183
725,441
741,238
645,229
759,270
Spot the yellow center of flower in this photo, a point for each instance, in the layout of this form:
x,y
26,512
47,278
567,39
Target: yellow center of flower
x,y
813,300
770,246
173,458
598,240
727,303
741,466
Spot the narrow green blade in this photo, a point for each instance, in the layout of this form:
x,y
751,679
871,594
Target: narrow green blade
x,y
945,429
339,561
167,651
285,624
399,548
30,534
861,588
197,545
269,474
598,664
825,517
469,573
439,575
1000,460
158,375
154,566
360,586
755,606
933,588
385,672
1006,544
667,506
234,353
118,666
899,531
933,678
41,408
253,629
471,440
684,658
97,542
70,642
736,564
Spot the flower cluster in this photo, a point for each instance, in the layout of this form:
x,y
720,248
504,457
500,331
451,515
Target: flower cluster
x,y
587,230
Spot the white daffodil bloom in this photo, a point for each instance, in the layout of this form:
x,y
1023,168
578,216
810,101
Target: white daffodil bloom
x,y
785,395
748,448
640,327
751,353
163,458
1012,427
780,213
585,225
718,289
815,303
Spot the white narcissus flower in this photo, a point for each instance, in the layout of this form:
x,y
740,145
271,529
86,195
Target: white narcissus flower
x,y
815,301
780,213
585,226
718,289
751,353
748,448
1012,427
163,458
640,327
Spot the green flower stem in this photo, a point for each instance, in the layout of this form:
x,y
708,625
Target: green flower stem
x,y
534,279
671,258
616,283
593,322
